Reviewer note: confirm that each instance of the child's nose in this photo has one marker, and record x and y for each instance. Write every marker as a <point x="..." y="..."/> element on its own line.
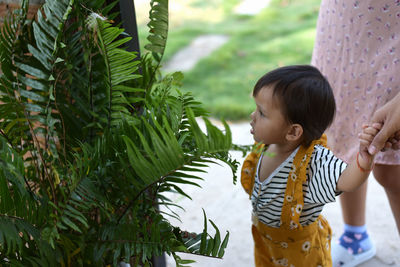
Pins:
<point x="252" y="115"/>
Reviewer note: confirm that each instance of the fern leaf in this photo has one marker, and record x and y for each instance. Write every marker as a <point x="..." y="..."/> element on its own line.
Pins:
<point x="204" y="244"/>
<point x="217" y="240"/>
<point x="158" y="28"/>
<point x="120" y="66"/>
<point x="222" y="248"/>
<point x="161" y="156"/>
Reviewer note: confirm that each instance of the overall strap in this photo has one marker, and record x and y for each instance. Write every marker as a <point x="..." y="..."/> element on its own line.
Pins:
<point x="294" y="202"/>
<point x="248" y="172"/>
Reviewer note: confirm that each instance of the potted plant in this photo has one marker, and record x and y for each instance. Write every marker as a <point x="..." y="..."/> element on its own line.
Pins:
<point x="91" y="137"/>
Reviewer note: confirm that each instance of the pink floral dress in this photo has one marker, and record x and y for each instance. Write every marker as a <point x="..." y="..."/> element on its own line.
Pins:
<point x="357" y="48"/>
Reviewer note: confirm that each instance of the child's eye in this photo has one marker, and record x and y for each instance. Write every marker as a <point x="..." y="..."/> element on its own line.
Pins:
<point x="261" y="114"/>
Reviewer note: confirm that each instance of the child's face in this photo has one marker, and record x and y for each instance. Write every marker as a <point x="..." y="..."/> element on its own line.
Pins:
<point x="268" y="124"/>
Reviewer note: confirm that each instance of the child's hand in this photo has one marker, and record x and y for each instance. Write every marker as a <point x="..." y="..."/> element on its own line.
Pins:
<point x="366" y="136"/>
<point x="393" y="142"/>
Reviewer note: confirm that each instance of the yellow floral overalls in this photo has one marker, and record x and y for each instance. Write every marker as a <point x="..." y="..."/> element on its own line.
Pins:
<point x="291" y="244"/>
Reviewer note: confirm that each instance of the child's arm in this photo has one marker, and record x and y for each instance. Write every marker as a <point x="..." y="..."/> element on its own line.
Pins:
<point x="359" y="169"/>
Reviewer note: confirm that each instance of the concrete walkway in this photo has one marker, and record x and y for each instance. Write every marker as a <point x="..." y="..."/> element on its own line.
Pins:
<point x="198" y="49"/>
<point x="229" y="207"/>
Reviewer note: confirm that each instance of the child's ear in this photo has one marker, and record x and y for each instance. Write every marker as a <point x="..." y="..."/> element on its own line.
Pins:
<point x="295" y="132"/>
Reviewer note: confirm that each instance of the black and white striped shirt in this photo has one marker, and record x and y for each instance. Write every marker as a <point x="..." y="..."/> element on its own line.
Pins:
<point x="323" y="173"/>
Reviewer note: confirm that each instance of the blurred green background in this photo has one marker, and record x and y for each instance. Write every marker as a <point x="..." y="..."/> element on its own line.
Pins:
<point x="280" y="34"/>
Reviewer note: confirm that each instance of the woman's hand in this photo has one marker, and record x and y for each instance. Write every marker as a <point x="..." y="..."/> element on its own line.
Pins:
<point x="389" y="135"/>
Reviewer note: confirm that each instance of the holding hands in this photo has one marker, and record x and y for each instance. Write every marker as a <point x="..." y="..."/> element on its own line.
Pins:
<point x="388" y="116"/>
<point x="364" y="158"/>
<point x="358" y="170"/>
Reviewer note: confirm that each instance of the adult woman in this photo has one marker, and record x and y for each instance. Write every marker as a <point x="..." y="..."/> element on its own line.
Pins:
<point x="357" y="49"/>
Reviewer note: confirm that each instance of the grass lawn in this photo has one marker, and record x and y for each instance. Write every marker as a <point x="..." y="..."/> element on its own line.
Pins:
<point x="281" y="34"/>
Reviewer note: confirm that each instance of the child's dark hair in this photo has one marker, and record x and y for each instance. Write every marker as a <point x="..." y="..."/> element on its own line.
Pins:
<point x="305" y="95"/>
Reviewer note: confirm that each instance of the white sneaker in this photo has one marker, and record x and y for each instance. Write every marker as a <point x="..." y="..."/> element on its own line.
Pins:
<point x="343" y="258"/>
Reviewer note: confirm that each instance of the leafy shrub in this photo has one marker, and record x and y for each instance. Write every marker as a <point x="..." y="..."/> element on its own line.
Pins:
<point x="91" y="138"/>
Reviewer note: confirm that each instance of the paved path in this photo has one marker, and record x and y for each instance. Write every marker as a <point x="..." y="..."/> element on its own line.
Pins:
<point x="199" y="48"/>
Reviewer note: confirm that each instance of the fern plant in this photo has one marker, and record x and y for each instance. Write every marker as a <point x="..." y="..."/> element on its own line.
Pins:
<point x="91" y="139"/>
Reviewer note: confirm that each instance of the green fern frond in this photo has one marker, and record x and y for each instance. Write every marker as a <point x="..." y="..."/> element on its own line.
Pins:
<point x="82" y="199"/>
<point x="160" y="157"/>
<point x="15" y="234"/>
<point x="158" y="28"/>
<point x="27" y="85"/>
<point x="48" y="30"/>
<point x="121" y="67"/>
<point x="12" y="121"/>
<point x="204" y="244"/>
<point x="212" y="142"/>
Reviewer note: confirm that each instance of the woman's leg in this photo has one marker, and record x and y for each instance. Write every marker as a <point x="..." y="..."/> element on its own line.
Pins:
<point x="389" y="177"/>
<point x="354" y="246"/>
